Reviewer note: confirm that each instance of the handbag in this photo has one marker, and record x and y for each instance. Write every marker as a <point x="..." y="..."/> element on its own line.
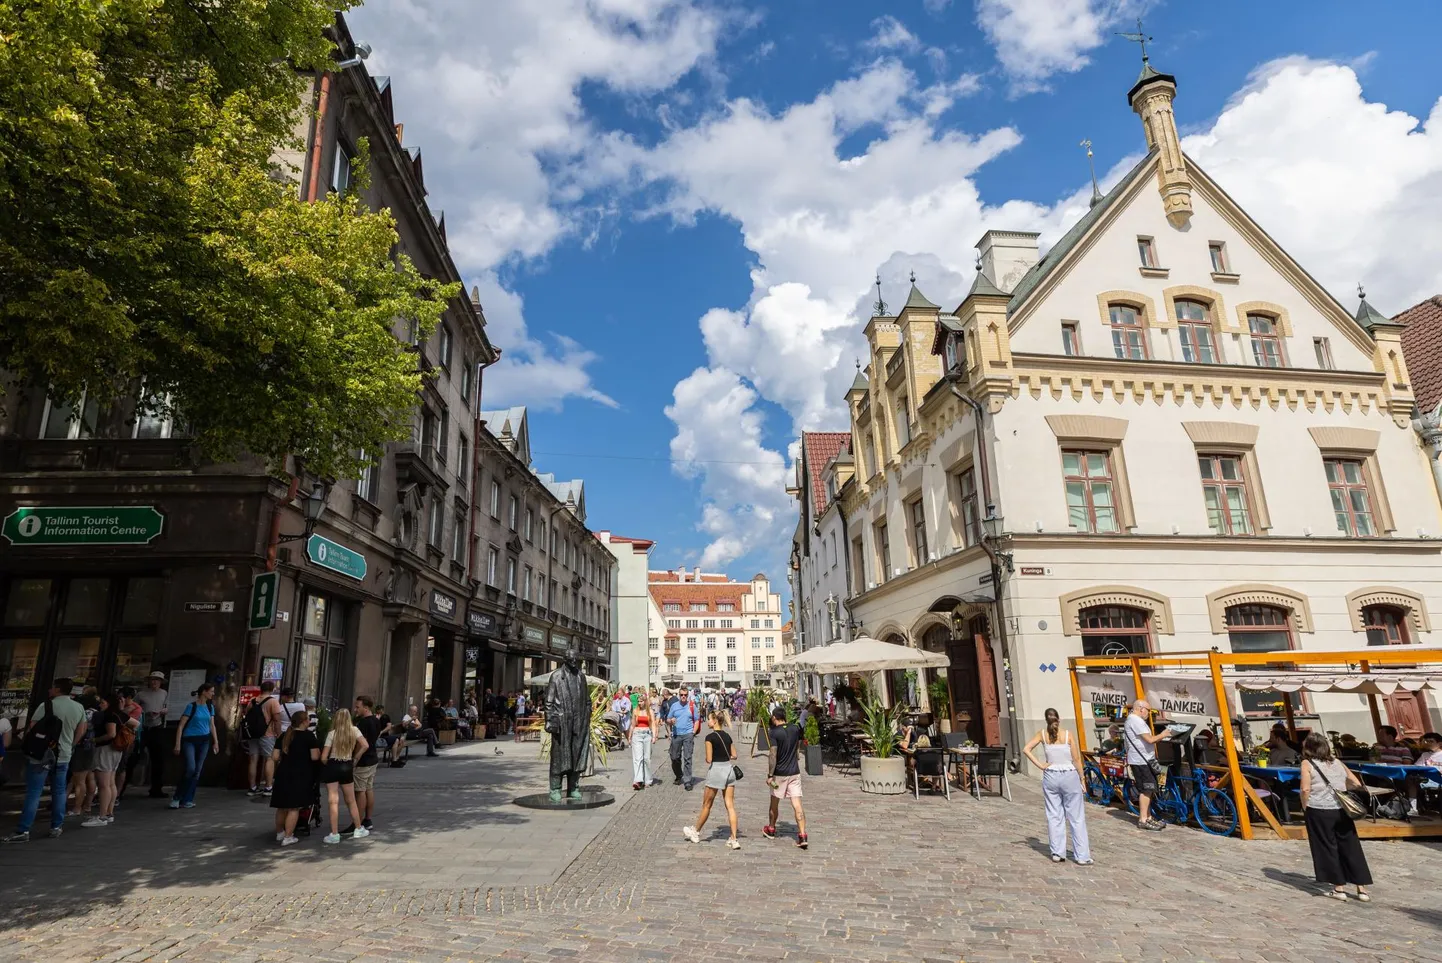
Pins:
<point x="1153" y="763"/>
<point x="736" y="772"/>
<point x="1345" y="800"/>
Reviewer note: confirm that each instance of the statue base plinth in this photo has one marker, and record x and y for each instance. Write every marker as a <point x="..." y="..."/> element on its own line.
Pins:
<point x="590" y="799"/>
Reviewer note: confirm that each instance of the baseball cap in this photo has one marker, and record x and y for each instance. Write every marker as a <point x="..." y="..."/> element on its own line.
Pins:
<point x="156" y="675"/>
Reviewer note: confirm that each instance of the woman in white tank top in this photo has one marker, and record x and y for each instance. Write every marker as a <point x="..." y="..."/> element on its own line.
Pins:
<point x="1061" y="787"/>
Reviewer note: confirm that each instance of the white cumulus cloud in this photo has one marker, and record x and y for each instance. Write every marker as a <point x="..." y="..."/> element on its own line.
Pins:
<point x="1035" y="39"/>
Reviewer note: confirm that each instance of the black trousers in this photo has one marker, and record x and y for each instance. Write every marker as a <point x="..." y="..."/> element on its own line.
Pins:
<point x="1337" y="856"/>
<point x="156" y="746"/>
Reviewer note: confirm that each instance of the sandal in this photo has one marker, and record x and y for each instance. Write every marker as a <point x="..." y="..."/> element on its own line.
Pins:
<point x="1336" y="894"/>
<point x="1363" y="897"/>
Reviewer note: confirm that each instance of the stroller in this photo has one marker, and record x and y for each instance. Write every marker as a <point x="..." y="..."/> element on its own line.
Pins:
<point x="310" y="815"/>
<point x="611" y="736"/>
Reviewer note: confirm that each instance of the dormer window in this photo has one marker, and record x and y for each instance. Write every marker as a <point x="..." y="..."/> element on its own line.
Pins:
<point x="955" y="351"/>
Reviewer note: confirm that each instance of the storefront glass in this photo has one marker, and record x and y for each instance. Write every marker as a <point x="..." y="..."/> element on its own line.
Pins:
<point x="325" y="626"/>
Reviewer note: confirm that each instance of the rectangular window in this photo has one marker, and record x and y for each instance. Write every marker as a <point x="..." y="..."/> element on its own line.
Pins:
<point x="458" y="536"/>
<point x="1351" y="501"/>
<point x="1147" y="252"/>
<point x="1224" y="491"/>
<point x="468" y="377"/>
<point x="693" y="623"/>
<point x="1128" y="337"/>
<point x="730" y="641"/>
<point x="710" y="663"/>
<point x="1090" y="491"/>
<point x="1323" y="347"/>
<point x="883" y="553"/>
<point x="444" y="342"/>
<point x="513" y="512"/>
<point x="1266" y="345"/>
<point x="437" y="522"/>
<point x="463" y="461"/>
<point x="340" y="176"/>
<point x="770" y="624"/>
<point x="526" y="580"/>
<point x="918" y="530"/>
<point x="1070" y="339"/>
<point x="708" y="623"/>
<point x="756" y="663"/>
<point x="690" y="663"/>
<point x="770" y="661"/>
<point x="367" y="485"/>
<point x="770" y="641"/>
<point x="673" y="623"/>
<point x="756" y="623"/>
<point x="69" y="422"/>
<point x="691" y="642"/>
<point x="726" y="607"/>
<point x="653" y="665"/>
<point x="903" y="424"/>
<point x="493" y="559"/>
<point x="152" y="417"/>
<point x="710" y="641"/>
<point x="730" y="663"/>
<point x="698" y="606"/>
<point x="511" y="576"/>
<point x="1194" y="329"/>
<point x="970" y="515"/>
<point x="859" y="575"/>
<point x="443" y="436"/>
<point x="1218" y="252"/>
<point x="671" y="607"/>
<point x="530" y="524"/>
<point x="726" y="623"/>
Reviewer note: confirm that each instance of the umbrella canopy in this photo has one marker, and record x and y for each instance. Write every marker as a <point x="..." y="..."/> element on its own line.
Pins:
<point x="545" y="679"/>
<point x="865" y="655"/>
<point x="1360" y="683"/>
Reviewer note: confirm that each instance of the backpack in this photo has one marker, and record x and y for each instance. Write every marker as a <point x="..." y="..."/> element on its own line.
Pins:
<point x="254" y="725"/>
<point x="43" y="738"/>
<point x="124" y="735"/>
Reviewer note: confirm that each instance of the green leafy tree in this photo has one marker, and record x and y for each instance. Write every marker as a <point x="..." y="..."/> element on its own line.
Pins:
<point x="152" y="234"/>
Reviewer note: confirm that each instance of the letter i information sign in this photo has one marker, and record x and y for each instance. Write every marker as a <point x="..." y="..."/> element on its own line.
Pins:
<point x="262" y="600"/>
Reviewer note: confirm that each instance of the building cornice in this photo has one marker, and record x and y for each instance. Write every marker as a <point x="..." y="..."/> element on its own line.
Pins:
<point x="956" y="559"/>
<point x="1248" y="543"/>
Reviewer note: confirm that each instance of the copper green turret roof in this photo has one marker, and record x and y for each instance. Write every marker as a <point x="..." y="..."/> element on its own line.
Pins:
<point x="918" y="300"/>
<point x="1369" y="317"/>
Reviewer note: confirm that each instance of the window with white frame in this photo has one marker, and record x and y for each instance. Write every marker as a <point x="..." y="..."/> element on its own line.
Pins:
<point x="63" y="422"/>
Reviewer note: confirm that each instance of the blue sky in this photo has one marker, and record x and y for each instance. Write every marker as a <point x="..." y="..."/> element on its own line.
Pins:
<point x="674" y="208"/>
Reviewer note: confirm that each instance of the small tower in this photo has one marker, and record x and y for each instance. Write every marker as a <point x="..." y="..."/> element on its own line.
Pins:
<point x="1151" y="97"/>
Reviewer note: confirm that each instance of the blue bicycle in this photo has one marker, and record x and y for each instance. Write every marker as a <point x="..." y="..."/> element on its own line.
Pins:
<point x="1180" y="798"/>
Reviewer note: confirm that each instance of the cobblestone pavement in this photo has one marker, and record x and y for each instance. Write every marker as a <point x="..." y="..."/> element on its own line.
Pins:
<point x="885" y="878"/>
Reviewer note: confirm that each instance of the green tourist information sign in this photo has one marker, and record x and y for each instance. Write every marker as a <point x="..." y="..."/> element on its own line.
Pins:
<point x="337" y="558"/>
<point x="98" y="525"/>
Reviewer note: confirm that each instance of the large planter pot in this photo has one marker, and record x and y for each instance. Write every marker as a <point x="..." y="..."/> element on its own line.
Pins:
<point x="748" y="733"/>
<point x="446" y="737"/>
<point x="480" y="731"/>
<point x="813" y="760"/>
<point x="886" y="777"/>
<point x="945" y="724"/>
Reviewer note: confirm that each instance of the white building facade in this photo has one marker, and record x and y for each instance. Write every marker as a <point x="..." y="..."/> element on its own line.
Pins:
<point x="714" y="631"/>
<point x="631" y="659"/>
<point x="1183" y="442"/>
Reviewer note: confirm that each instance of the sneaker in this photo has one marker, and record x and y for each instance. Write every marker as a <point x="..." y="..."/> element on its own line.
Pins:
<point x="333" y="838"/>
<point x="361" y="833"/>
<point x="1085" y="862"/>
<point x="16" y="838"/>
<point x="349" y="830"/>
<point x="175" y="804"/>
<point x="636" y="786"/>
<point x="189" y="805"/>
<point x="288" y="840"/>
<point x="690" y="833"/>
<point x="769" y="832"/>
<point x="733" y="843"/>
<point x="366" y="822"/>
<point x="56" y="832"/>
<point x="95" y="822"/>
<point x="1057" y="859"/>
<point x="253" y="791"/>
<point x="801" y="841"/>
<point x="265" y="790"/>
<point x="279" y="837"/>
<point x="1412" y="808"/>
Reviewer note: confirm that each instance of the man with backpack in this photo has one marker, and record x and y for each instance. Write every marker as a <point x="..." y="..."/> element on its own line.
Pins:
<point x="55" y="726"/>
<point x="260" y="728"/>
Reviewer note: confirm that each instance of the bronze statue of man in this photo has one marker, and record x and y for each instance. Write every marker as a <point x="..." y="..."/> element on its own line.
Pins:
<point x="568" y="720"/>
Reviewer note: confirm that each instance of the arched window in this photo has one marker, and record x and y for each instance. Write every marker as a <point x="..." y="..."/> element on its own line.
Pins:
<point x="1266" y="344"/>
<point x="1259" y="628"/>
<point x="1386" y="625"/>
<point x="1194" y="327"/>
<point x="1128" y="337"/>
<point x="1115" y="630"/>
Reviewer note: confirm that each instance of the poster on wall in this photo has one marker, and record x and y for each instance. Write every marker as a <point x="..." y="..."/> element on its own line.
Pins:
<point x="1181" y="695"/>
<point x="181" y="685"/>
<point x="272" y="669"/>
<point x="1111" y="690"/>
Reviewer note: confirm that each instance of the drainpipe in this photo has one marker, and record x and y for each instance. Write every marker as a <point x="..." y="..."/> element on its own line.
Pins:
<point x="998" y="568"/>
<point x="317" y="139"/>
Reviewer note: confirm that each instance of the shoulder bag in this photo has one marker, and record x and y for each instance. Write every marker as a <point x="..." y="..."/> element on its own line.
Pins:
<point x="1153" y="763"/>
<point x="1345" y="800"/>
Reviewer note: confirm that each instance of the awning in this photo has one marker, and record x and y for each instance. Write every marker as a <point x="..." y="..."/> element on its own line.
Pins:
<point x="1374" y="683"/>
<point x="864" y="655"/>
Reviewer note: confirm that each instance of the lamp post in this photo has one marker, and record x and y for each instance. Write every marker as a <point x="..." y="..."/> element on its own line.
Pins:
<point x="993" y="528"/>
<point x="313" y="506"/>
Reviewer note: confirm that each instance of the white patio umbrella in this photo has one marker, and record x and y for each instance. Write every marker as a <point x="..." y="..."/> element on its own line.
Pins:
<point x="865" y="655"/>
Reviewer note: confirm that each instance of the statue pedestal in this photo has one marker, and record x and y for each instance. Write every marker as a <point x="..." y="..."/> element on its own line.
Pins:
<point x="591" y="798"/>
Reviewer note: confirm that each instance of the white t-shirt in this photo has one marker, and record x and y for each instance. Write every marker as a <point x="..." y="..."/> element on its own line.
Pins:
<point x="4" y="727"/>
<point x="1426" y="759"/>
<point x="1138" y="749"/>
<point x="153" y="703"/>
<point x="288" y="709"/>
<point x="330" y="737"/>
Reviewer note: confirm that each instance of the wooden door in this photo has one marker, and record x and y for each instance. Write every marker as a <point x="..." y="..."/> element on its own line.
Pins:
<point x="1407" y="711"/>
<point x="964" y="682"/>
<point x="990" y="701"/>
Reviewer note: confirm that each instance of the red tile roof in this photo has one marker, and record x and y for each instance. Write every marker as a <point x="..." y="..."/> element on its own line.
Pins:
<point x="1422" y="347"/>
<point x="685" y="594"/>
<point x="821" y="447"/>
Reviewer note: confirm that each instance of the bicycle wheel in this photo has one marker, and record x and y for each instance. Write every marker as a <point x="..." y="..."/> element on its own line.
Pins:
<point x="1098" y="787"/>
<point x="1215" y="812"/>
<point x="1170" y="805"/>
<point x="1130" y="797"/>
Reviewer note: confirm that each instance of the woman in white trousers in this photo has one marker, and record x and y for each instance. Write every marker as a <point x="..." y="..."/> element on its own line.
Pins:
<point x="1062" y="789"/>
<point x="643" y="733"/>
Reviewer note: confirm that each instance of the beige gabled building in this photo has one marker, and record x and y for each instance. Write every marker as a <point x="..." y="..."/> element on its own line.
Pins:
<point x="1184" y="442"/>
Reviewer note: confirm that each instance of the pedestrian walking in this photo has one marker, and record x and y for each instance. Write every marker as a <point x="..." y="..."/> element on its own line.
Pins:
<point x="112" y="734"/>
<point x="720" y="778"/>
<point x="365" y="768"/>
<point x="260" y="727"/>
<point x="154" y="702"/>
<point x="785" y="775"/>
<point x="296" y="756"/>
<point x="643" y="734"/>
<point x="1337" y="856"/>
<point x="344" y="744"/>
<point x="1142" y="760"/>
<point x="48" y="743"/>
<point x="195" y="738"/>
<point x="682" y="719"/>
<point x="1061" y="789"/>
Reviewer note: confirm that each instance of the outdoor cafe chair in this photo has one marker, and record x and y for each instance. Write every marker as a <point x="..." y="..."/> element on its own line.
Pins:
<point x="929" y="762"/>
<point x="990" y="764"/>
<point x="955" y="740"/>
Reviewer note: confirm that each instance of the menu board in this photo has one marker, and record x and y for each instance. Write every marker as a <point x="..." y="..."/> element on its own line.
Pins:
<point x="180" y="685"/>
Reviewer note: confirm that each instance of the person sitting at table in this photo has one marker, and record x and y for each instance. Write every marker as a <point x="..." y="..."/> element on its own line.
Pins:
<point x="1281" y="751"/>
<point x="914" y="737"/>
<point x="1204" y="749"/>
<point x="1389" y="751"/>
<point x="1113" y="744"/>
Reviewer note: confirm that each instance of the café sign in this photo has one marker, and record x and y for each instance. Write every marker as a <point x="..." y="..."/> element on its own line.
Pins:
<point x="1109" y="689"/>
<point x="532" y="634"/>
<point x="443" y="605"/>
<point x="480" y="623"/>
<point x="1186" y="695"/>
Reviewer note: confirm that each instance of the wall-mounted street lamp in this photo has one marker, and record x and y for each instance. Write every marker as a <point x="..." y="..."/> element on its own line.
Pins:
<point x="314" y="506"/>
<point x="992" y="527"/>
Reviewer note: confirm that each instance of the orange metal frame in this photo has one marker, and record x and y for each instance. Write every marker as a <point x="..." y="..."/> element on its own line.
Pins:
<point x="1215" y="662"/>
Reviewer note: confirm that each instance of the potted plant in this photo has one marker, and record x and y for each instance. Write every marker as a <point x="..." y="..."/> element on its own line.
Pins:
<point x="940" y="694"/>
<point x="753" y="714"/>
<point x="882" y="771"/>
<point x="812" y="736"/>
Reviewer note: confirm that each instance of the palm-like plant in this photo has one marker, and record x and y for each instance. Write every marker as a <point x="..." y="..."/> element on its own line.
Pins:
<point x="756" y="705"/>
<point x="600" y="705"/>
<point x="879" y="724"/>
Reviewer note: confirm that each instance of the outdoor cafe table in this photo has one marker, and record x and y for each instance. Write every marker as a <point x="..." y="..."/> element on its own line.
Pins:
<point x="1282" y="779"/>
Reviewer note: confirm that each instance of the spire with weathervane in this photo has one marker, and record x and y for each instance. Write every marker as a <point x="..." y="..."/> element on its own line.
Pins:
<point x="1151" y="97"/>
<point x="1092" y="164"/>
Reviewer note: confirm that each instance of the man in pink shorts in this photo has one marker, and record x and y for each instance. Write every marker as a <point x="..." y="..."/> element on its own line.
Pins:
<point x="785" y="778"/>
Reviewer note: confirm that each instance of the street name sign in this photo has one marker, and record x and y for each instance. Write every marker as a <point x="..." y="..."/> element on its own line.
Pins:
<point x="89" y="525"/>
<point x="337" y="558"/>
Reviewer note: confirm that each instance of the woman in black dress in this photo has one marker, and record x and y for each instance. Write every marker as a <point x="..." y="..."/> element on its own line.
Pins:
<point x="296" y="755"/>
